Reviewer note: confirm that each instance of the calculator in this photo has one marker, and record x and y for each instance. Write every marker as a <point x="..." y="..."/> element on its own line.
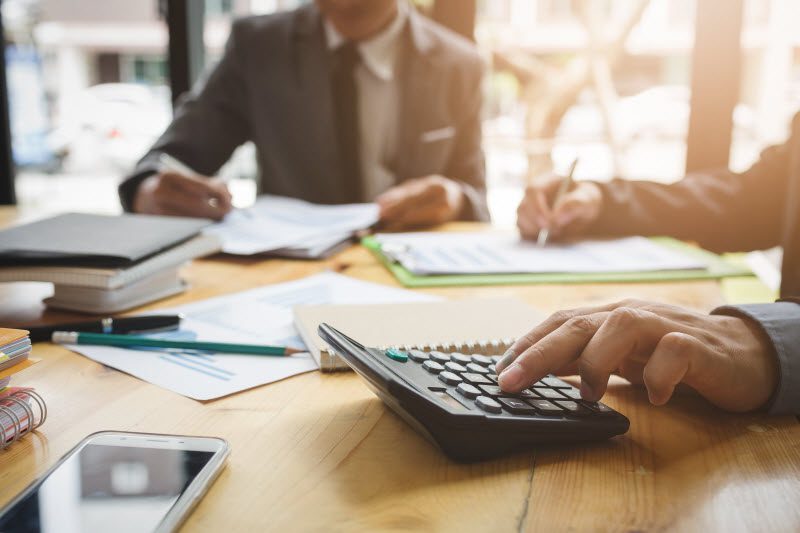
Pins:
<point x="453" y="400"/>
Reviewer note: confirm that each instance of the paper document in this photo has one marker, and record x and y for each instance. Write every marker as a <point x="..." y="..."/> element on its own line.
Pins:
<point x="275" y="222"/>
<point x="258" y="316"/>
<point x="505" y="253"/>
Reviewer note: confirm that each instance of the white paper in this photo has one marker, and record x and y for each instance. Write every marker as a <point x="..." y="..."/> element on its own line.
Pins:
<point x="258" y="316"/>
<point x="505" y="253"/>
<point x="275" y="222"/>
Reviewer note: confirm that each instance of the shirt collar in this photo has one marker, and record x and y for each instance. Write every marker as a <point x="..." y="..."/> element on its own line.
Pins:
<point x="379" y="52"/>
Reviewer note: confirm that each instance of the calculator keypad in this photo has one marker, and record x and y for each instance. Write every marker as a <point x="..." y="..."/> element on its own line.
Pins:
<point x="474" y="382"/>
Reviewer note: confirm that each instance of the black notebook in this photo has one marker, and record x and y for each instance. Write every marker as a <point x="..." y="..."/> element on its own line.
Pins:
<point x="101" y="241"/>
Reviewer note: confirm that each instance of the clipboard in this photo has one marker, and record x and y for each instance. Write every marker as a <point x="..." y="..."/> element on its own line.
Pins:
<point x="718" y="268"/>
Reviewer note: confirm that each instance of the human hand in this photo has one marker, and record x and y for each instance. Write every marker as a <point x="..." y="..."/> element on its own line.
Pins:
<point x="571" y="215"/>
<point x="170" y="193"/>
<point x="728" y="360"/>
<point x="421" y="202"/>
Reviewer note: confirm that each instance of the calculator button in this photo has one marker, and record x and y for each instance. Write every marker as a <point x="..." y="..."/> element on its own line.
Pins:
<point x="482" y="360"/>
<point x="418" y="356"/>
<point x="548" y="393"/>
<point x="468" y="391"/>
<point x="489" y="405"/>
<point x="480" y="369"/>
<point x="460" y="358"/>
<point x="598" y="407"/>
<point x="496" y="358"/>
<point x="450" y="378"/>
<point x="525" y="393"/>
<point x="432" y="366"/>
<point x="491" y="390"/>
<point x="440" y="357"/>
<point x="517" y="406"/>
<point x="546" y="407"/>
<point x="573" y="407"/>
<point x="454" y="367"/>
<point x="492" y="377"/>
<point x="552" y="381"/>
<point x="397" y="355"/>
<point x="477" y="379"/>
<point x="573" y="394"/>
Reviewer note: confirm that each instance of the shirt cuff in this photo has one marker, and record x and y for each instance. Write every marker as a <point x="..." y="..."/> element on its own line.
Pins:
<point x="781" y="323"/>
<point x="128" y="188"/>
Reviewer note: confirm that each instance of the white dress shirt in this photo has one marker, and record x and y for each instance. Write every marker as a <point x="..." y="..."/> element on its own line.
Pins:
<point x="379" y="100"/>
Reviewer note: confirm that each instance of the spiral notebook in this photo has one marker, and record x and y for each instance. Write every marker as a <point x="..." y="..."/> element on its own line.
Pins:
<point x="485" y="326"/>
<point x="21" y="409"/>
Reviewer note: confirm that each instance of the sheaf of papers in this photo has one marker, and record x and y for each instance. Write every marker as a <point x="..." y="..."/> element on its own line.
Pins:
<point x="276" y="222"/>
<point x="258" y="316"/>
<point x="505" y="253"/>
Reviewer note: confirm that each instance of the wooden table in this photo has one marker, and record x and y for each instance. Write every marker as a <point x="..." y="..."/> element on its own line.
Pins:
<point x="321" y="453"/>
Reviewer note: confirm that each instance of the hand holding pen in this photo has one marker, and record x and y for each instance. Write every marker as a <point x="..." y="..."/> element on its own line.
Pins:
<point x="178" y="190"/>
<point x="558" y="207"/>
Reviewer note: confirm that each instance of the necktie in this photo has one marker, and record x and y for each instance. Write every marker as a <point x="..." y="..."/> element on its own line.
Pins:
<point x="345" y="101"/>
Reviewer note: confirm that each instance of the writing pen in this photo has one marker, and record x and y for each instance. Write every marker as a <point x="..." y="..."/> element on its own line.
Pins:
<point x="566" y="185"/>
<point x="169" y="163"/>
<point x="132" y="324"/>
<point x="130" y="341"/>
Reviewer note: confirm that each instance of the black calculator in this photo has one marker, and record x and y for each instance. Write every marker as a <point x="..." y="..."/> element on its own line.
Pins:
<point x="454" y="401"/>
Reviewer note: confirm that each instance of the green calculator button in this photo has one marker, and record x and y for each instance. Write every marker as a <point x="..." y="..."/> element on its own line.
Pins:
<point x="397" y="355"/>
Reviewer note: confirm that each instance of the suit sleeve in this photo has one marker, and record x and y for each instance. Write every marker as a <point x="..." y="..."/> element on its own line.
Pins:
<point x="467" y="163"/>
<point x="209" y="123"/>
<point x="781" y="322"/>
<point x="722" y="211"/>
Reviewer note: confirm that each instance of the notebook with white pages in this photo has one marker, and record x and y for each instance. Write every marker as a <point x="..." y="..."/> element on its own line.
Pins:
<point x="157" y="286"/>
<point x="468" y="326"/>
<point x="114" y="278"/>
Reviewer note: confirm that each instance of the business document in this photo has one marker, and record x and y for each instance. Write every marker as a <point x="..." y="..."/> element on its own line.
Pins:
<point x="276" y="222"/>
<point x="507" y="253"/>
<point x="258" y="316"/>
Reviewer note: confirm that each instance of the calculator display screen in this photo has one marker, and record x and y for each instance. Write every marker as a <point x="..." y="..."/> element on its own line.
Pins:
<point x="107" y="488"/>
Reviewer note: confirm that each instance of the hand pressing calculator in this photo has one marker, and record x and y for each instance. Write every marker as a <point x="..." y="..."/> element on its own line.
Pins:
<point x="454" y="401"/>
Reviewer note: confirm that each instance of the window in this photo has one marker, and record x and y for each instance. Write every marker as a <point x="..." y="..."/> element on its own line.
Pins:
<point x="604" y="81"/>
<point x="87" y="96"/>
<point x="770" y="88"/>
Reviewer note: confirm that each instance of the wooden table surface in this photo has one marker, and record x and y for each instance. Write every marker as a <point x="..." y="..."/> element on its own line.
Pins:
<point x="321" y="453"/>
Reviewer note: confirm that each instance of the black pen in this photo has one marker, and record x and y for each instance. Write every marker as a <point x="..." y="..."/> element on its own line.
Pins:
<point x="132" y="324"/>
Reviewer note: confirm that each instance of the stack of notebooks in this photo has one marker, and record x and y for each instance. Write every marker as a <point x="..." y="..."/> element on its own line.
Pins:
<point x="104" y="264"/>
<point x="22" y="410"/>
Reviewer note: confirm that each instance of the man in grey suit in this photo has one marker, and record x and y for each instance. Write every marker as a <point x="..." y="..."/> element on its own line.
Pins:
<point x="739" y="357"/>
<point x="345" y="101"/>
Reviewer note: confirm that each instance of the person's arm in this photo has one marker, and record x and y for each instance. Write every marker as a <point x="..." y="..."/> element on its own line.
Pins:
<point x="209" y="123"/>
<point x="780" y="321"/>
<point x="723" y="211"/>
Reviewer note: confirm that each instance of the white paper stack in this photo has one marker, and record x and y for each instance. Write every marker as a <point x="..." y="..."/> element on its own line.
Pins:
<point x="289" y="227"/>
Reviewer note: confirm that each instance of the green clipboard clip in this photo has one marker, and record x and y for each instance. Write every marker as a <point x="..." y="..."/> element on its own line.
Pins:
<point x="718" y="268"/>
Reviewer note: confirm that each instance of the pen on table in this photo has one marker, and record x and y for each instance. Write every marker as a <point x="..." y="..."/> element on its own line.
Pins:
<point x="132" y="341"/>
<point x="565" y="186"/>
<point x="132" y="324"/>
<point x="173" y="164"/>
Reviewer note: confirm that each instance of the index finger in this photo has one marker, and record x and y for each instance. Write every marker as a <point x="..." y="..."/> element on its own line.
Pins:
<point x="555" y="350"/>
<point x="550" y="324"/>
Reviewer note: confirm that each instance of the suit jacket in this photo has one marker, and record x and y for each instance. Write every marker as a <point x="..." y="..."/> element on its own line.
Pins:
<point x="272" y="86"/>
<point x="725" y="212"/>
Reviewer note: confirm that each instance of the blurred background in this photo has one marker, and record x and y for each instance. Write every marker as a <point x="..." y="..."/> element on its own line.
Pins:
<point x="634" y="87"/>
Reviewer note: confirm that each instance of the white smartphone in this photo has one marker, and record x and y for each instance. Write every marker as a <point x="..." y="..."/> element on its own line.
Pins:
<point x="120" y="482"/>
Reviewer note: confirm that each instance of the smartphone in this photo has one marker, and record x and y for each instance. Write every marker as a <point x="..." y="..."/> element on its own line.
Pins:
<point x="120" y="482"/>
